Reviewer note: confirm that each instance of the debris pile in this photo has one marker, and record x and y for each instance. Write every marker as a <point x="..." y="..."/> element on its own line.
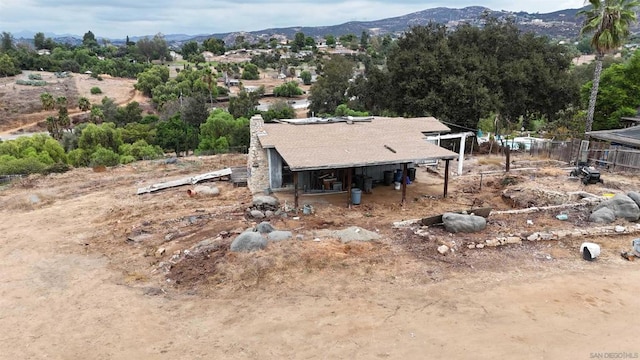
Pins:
<point x="264" y="207"/>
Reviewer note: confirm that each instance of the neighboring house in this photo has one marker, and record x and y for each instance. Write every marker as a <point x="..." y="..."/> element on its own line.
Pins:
<point x="627" y="137"/>
<point x="315" y="154"/>
<point x="44" y="52"/>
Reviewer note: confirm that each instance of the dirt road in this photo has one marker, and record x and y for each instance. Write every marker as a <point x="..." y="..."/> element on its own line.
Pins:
<point x="61" y="298"/>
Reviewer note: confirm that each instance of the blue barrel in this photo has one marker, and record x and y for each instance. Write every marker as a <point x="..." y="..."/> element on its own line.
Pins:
<point x="356" y="195"/>
<point x="398" y="176"/>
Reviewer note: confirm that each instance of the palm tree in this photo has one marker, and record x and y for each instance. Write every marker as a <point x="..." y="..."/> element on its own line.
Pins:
<point x="609" y="22"/>
<point x="84" y="104"/>
<point x="48" y="102"/>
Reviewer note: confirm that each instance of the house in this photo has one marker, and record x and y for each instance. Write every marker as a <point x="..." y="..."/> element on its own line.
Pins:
<point x="318" y="154"/>
<point x="628" y="137"/>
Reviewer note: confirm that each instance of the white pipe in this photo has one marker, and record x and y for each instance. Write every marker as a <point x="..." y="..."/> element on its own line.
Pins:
<point x="461" y="154"/>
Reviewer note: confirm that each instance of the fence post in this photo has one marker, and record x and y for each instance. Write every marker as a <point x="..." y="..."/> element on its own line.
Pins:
<point x="615" y="159"/>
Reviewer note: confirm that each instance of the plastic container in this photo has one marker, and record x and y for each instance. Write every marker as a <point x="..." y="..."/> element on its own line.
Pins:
<point x="388" y="177"/>
<point x="356" y="196"/>
<point x="398" y="176"/>
<point x="412" y="174"/>
<point x="590" y="251"/>
<point x="368" y="184"/>
<point x="337" y="186"/>
<point x="397" y="185"/>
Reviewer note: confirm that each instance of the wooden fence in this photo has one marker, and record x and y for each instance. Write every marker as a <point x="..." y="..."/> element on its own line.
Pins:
<point x="600" y="154"/>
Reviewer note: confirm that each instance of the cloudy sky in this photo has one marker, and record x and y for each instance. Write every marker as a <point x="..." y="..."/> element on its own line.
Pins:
<point x="118" y="18"/>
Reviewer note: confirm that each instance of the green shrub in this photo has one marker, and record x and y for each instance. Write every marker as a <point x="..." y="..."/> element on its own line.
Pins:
<point x="126" y="159"/>
<point x="289" y="89"/>
<point x="56" y="168"/>
<point x="35" y="77"/>
<point x="141" y="150"/>
<point x="12" y="166"/>
<point x="96" y="90"/>
<point x="102" y="156"/>
<point x="78" y="158"/>
<point x="31" y="82"/>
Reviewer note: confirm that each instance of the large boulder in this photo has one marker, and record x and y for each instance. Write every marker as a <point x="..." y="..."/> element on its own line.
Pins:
<point x="602" y="215"/>
<point x="279" y="235"/>
<point x="635" y="196"/>
<point x="265" y="202"/>
<point x="264" y="227"/>
<point x="248" y="241"/>
<point x="622" y="206"/>
<point x="455" y="222"/>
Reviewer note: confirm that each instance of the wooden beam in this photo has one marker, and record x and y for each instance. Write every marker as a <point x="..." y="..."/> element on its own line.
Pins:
<point x="185" y="181"/>
<point x="295" y="190"/>
<point x="404" y="183"/>
<point x="349" y="200"/>
<point x="446" y="177"/>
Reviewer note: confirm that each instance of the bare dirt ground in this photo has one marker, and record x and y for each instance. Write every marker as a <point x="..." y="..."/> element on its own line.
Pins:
<point x="21" y="108"/>
<point x="74" y="286"/>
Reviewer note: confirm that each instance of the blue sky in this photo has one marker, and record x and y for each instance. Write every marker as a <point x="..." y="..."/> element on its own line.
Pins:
<point x="118" y="18"/>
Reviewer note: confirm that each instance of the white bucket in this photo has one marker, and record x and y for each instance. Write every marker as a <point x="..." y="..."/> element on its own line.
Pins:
<point x="589" y="251"/>
<point x="397" y="186"/>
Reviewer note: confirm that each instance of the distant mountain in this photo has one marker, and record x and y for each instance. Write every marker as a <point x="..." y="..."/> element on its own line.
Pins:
<point x="559" y="24"/>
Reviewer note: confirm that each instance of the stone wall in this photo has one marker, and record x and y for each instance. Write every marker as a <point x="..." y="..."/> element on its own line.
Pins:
<point x="257" y="163"/>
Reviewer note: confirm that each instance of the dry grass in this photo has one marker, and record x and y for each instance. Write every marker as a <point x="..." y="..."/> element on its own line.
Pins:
<point x="491" y="160"/>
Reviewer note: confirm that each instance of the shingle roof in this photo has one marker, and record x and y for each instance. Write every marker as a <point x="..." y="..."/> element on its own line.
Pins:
<point x="629" y="136"/>
<point x="340" y="145"/>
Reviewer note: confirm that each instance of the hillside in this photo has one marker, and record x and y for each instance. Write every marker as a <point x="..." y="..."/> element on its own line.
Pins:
<point x="561" y="24"/>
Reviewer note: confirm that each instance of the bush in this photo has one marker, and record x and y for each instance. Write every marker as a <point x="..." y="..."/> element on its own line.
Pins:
<point x="9" y="165"/>
<point x="78" y="158"/>
<point x="105" y="157"/>
<point x="31" y="82"/>
<point x="96" y="90"/>
<point x="306" y="77"/>
<point x="126" y="159"/>
<point x="289" y="89"/>
<point x="56" y="168"/>
<point x="35" y="77"/>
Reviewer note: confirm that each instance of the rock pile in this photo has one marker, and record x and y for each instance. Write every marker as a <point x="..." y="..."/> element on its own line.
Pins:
<point x="257" y="238"/>
<point x="264" y="207"/>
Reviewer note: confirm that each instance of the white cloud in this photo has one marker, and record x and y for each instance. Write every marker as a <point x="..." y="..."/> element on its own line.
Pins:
<point x="118" y="18"/>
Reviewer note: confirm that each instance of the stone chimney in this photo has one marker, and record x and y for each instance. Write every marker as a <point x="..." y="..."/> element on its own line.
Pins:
<point x="258" y="162"/>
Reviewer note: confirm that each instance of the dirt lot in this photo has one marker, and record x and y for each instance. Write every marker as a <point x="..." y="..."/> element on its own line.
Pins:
<point x="21" y="109"/>
<point x="74" y="286"/>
